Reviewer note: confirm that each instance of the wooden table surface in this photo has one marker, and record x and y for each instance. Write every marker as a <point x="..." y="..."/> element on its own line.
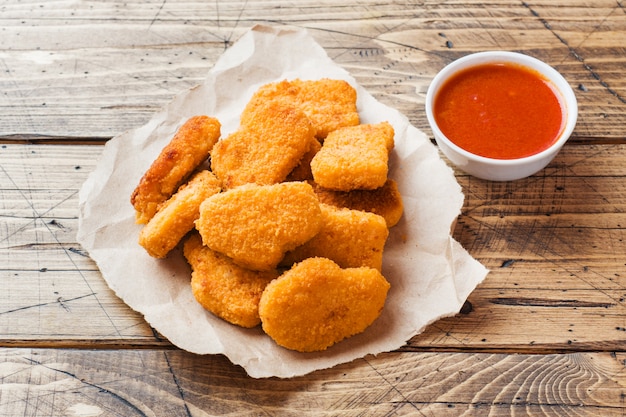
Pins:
<point x="544" y="334"/>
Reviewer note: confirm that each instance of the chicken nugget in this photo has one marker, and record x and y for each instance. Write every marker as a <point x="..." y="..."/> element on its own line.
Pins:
<point x="189" y="147"/>
<point x="303" y="171"/>
<point x="177" y="215"/>
<point x="385" y="201"/>
<point x="351" y="238"/>
<point x="354" y="158"/>
<point x="224" y="288"/>
<point x="255" y="225"/>
<point x="317" y="304"/>
<point x="266" y="148"/>
<point x="330" y="104"/>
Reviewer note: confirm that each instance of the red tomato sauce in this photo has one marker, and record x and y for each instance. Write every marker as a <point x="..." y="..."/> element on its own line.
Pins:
<point x="500" y="111"/>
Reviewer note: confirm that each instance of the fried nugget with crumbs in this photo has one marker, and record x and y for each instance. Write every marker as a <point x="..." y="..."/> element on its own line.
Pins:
<point x="255" y="225"/>
<point x="317" y="304"/>
<point x="266" y="148"/>
<point x="354" y="158"/>
<point x="224" y="288"/>
<point x="190" y="147"/>
<point x="303" y="171"/>
<point x="177" y="215"/>
<point x="351" y="238"/>
<point x="329" y="103"/>
<point x="385" y="201"/>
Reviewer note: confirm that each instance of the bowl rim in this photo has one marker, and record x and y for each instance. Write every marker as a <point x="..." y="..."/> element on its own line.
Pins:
<point x="558" y="82"/>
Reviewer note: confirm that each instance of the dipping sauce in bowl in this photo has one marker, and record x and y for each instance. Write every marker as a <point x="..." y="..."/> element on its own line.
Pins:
<point x="502" y="111"/>
<point x="500" y="115"/>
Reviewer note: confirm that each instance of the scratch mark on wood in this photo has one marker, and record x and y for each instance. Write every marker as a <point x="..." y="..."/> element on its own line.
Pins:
<point x="545" y="302"/>
<point x="100" y="388"/>
<point x="62" y="303"/>
<point x="395" y="389"/>
<point x="181" y="392"/>
<point x="575" y="54"/>
<point x="53" y="222"/>
<point x="39" y="216"/>
<point x="156" y="16"/>
<point x="59" y="300"/>
<point x="507" y="263"/>
<point x="78" y="252"/>
<point x="228" y="39"/>
<point x="156" y="334"/>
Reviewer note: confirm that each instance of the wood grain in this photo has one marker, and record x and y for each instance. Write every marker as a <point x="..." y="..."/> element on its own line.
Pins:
<point x="544" y="334"/>
<point x="557" y="280"/>
<point x="174" y="383"/>
<point x="120" y="62"/>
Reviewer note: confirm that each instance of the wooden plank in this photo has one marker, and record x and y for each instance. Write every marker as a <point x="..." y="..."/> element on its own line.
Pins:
<point x="554" y="244"/>
<point x="81" y="72"/>
<point x="121" y="63"/>
<point x="146" y="382"/>
<point x="174" y="383"/>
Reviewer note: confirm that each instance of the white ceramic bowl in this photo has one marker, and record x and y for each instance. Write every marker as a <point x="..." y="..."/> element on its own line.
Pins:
<point x="502" y="169"/>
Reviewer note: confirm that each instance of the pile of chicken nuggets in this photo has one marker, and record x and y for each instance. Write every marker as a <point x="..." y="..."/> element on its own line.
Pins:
<point x="283" y="221"/>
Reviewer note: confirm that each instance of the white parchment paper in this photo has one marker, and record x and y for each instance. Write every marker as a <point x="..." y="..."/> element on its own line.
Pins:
<point x="431" y="275"/>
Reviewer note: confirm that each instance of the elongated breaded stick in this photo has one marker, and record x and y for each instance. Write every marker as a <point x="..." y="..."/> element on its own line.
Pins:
<point x="189" y="147"/>
<point x="177" y="215"/>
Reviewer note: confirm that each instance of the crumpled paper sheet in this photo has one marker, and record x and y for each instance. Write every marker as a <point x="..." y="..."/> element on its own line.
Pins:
<point x="431" y="275"/>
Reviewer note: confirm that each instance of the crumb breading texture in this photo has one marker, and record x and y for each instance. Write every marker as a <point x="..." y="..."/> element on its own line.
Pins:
<point x="255" y="225"/>
<point x="190" y="146"/>
<point x="224" y="288"/>
<point x="177" y="216"/>
<point x="266" y="147"/>
<point x="303" y="171"/>
<point x="329" y="104"/>
<point x="317" y="304"/>
<point x="350" y="238"/>
<point x="354" y="158"/>
<point x="385" y="201"/>
<point x="291" y="213"/>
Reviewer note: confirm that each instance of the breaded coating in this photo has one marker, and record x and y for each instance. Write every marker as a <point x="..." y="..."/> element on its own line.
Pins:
<point x="189" y="147"/>
<point x="177" y="216"/>
<point x="385" y="201"/>
<point x="351" y="238"/>
<point x="330" y="104"/>
<point x="255" y="225"/>
<point x="303" y="171"/>
<point x="317" y="304"/>
<point x="224" y="288"/>
<point x="354" y="158"/>
<point x="266" y="148"/>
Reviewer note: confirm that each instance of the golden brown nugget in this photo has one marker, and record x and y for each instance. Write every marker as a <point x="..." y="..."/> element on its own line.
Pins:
<point x="255" y="225"/>
<point x="189" y="147"/>
<point x="317" y="304"/>
<point x="224" y="288"/>
<point x="354" y="158"/>
<point x="385" y="201"/>
<point x="303" y="171"/>
<point x="351" y="238"/>
<point x="177" y="215"/>
<point x="330" y="104"/>
<point x="264" y="150"/>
